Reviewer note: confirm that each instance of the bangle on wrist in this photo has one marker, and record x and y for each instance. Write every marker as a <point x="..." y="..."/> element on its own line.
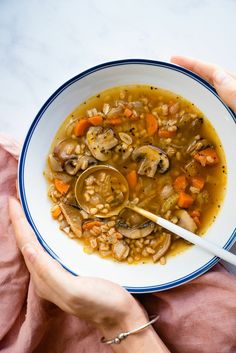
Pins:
<point x="123" y="335"/>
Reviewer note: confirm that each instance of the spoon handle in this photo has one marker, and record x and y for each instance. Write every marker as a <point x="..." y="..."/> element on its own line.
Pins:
<point x="189" y="236"/>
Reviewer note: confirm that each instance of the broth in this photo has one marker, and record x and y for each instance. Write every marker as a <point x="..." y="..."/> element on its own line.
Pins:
<point x="168" y="151"/>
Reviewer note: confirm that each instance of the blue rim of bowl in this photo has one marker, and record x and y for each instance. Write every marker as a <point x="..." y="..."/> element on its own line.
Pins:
<point x="137" y="290"/>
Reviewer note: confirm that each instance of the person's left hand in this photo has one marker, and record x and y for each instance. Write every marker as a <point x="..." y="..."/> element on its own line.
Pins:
<point x="103" y="303"/>
<point x="99" y="301"/>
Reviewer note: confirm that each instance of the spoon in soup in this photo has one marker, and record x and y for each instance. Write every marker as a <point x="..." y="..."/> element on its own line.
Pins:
<point x="103" y="191"/>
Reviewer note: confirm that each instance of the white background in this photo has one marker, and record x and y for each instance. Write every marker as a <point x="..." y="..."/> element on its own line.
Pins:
<point x="43" y="43"/>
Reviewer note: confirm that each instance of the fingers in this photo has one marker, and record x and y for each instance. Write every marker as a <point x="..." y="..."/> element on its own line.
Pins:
<point x="224" y="82"/>
<point x="203" y="69"/>
<point x="225" y="85"/>
<point x="23" y="232"/>
<point x="38" y="262"/>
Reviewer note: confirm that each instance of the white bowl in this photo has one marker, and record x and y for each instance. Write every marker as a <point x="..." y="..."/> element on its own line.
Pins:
<point x="33" y="187"/>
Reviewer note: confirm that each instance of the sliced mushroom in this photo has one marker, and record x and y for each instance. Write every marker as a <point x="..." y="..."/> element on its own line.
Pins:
<point x="65" y="149"/>
<point x="151" y="159"/>
<point x="54" y="163"/>
<point x="163" y="248"/>
<point x="126" y="138"/>
<point x="73" y="218"/>
<point x="73" y="165"/>
<point x="136" y="232"/>
<point x="186" y="221"/>
<point x="120" y="250"/>
<point x="100" y="142"/>
<point x="131" y="217"/>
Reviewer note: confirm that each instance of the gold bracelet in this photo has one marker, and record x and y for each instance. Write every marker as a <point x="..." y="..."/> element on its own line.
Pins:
<point x="123" y="335"/>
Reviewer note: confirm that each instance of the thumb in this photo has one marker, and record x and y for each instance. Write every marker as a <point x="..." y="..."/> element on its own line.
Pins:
<point x="225" y="85"/>
<point x="37" y="260"/>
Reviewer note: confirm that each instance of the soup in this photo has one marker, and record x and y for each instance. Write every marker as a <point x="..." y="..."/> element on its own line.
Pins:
<point x="170" y="156"/>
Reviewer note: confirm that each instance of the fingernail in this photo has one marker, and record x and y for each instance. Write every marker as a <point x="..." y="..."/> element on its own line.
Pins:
<point x="29" y="252"/>
<point x="221" y="77"/>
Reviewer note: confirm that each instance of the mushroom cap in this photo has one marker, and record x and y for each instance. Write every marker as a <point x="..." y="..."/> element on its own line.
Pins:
<point x="100" y="141"/>
<point x="151" y="159"/>
<point x="62" y="148"/>
<point x="136" y="232"/>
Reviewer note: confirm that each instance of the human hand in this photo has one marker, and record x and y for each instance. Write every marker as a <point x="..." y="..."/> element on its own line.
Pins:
<point x="224" y="82"/>
<point x="96" y="300"/>
<point x="103" y="303"/>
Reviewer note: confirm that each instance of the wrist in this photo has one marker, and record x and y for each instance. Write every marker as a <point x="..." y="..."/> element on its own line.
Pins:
<point x="132" y="318"/>
<point x="131" y="315"/>
<point x="143" y="341"/>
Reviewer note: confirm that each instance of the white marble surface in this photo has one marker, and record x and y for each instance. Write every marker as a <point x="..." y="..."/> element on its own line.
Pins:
<point x="45" y="42"/>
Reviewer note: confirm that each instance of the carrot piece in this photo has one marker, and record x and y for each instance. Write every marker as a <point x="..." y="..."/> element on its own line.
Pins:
<point x="166" y="133"/>
<point x="185" y="200"/>
<point x="198" y="182"/>
<point x="81" y="127"/>
<point x="151" y="124"/>
<point x="90" y="225"/>
<point x="56" y="212"/>
<point x="115" y="121"/>
<point x="207" y="157"/>
<point x="61" y="186"/>
<point x="128" y="112"/>
<point x="180" y="183"/>
<point x="96" y="120"/>
<point x="132" y="179"/>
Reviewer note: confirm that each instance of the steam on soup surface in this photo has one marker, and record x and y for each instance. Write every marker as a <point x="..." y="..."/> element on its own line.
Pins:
<point x="169" y="153"/>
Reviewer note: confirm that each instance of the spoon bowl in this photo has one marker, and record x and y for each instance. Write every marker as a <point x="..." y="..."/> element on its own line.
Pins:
<point x="80" y="192"/>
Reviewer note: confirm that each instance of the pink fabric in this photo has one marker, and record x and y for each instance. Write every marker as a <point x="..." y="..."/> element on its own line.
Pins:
<point x="199" y="317"/>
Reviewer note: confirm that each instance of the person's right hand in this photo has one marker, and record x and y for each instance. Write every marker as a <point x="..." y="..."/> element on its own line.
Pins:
<point x="223" y="81"/>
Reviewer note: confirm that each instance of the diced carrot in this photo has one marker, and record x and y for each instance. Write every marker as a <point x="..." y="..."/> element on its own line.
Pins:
<point x="197" y="221"/>
<point x="56" y="212"/>
<point x="115" y="121"/>
<point x="95" y="120"/>
<point x="132" y="179"/>
<point x="81" y="127"/>
<point x="198" y="182"/>
<point x="151" y="124"/>
<point x="166" y="133"/>
<point x="207" y="157"/>
<point x="128" y="112"/>
<point x="61" y="186"/>
<point x="185" y="200"/>
<point x="90" y="225"/>
<point x="195" y="213"/>
<point x="180" y="183"/>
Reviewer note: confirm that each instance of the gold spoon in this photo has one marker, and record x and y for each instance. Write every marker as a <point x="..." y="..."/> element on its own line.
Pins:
<point x="80" y="183"/>
<point x="174" y="228"/>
